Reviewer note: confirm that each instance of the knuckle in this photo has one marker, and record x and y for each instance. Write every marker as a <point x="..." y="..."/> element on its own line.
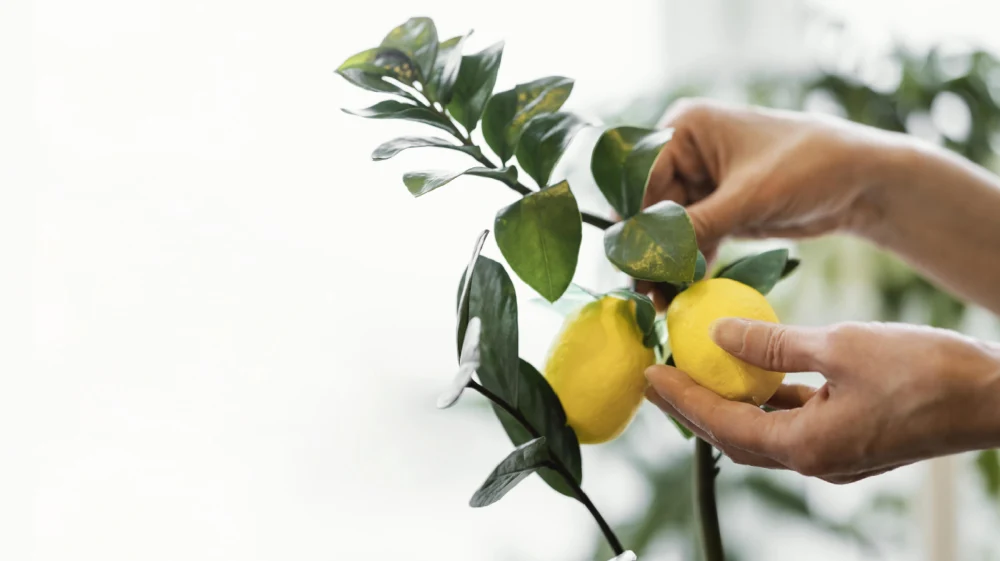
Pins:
<point x="776" y="347"/>
<point x="837" y="340"/>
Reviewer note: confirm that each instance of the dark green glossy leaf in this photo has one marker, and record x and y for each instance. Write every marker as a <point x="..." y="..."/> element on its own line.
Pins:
<point x="422" y="182"/>
<point x="543" y="142"/>
<point x="638" y="164"/>
<point x="607" y="164"/>
<point x="658" y="244"/>
<point x="391" y="109"/>
<point x="508" y="112"/>
<point x="445" y="72"/>
<point x="522" y="462"/>
<point x="790" y="267"/>
<point x="418" y="40"/>
<point x="645" y="314"/>
<point x="465" y="290"/>
<point x="389" y="149"/>
<point x="381" y="61"/>
<point x="988" y="462"/>
<point x="539" y="404"/>
<point x="493" y="301"/>
<point x="761" y="271"/>
<point x="700" y="267"/>
<point x="476" y="77"/>
<point x="540" y="235"/>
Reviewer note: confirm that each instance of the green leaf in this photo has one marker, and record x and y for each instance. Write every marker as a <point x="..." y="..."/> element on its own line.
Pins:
<point x="422" y="182"/>
<point x="761" y="271"/>
<point x="445" y="72"/>
<point x="493" y="301"/>
<point x="657" y="244"/>
<point x="389" y="149"/>
<point x="539" y="236"/>
<point x="508" y="112"/>
<point x="373" y="82"/>
<point x="790" y="267"/>
<point x="539" y="404"/>
<point x="988" y="462"/>
<point x="543" y="141"/>
<point x="392" y="109"/>
<point x="476" y="77"/>
<point x="700" y="267"/>
<point x="607" y="164"/>
<point x="418" y="40"/>
<point x="465" y="290"/>
<point x="645" y="314"/>
<point x="638" y="165"/>
<point x="381" y="61"/>
<point x="522" y="462"/>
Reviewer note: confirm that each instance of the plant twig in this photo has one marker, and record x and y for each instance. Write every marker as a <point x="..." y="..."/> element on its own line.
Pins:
<point x="704" y="488"/>
<point x="557" y="465"/>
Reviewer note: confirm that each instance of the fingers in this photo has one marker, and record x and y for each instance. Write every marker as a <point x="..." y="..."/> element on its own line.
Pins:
<point x="772" y="346"/>
<point x="791" y="396"/>
<point x="730" y="424"/>
<point x="715" y="218"/>
<point x="741" y="457"/>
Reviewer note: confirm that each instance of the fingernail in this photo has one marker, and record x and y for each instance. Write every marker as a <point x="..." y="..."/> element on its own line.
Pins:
<point x="729" y="333"/>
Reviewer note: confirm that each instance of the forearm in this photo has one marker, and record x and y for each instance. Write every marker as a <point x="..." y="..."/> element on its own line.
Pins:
<point x="940" y="213"/>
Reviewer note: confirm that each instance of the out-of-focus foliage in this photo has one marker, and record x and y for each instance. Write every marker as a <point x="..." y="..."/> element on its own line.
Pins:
<point x="952" y="99"/>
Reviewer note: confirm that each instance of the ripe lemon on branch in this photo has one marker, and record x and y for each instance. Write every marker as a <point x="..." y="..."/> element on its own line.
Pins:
<point x="596" y="366"/>
<point x="689" y="320"/>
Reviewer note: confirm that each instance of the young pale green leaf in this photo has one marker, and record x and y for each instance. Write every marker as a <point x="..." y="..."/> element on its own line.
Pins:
<point x="539" y="404"/>
<point x="465" y="290"/>
<point x="445" y="72"/>
<point x="476" y="77"/>
<point x="420" y="183"/>
<point x="761" y="271"/>
<point x="493" y="301"/>
<point x="639" y="164"/>
<point x="573" y="299"/>
<point x="522" y="462"/>
<point x="418" y="40"/>
<point x="645" y="314"/>
<point x="658" y="244"/>
<point x="988" y="462"/>
<point x="508" y="112"/>
<point x="607" y="164"/>
<point x="543" y="141"/>
<point x="539" y="236"/>
<point x="389" y="149"/>
<point x="391" y="109"/>
<point x="381" y="61"/>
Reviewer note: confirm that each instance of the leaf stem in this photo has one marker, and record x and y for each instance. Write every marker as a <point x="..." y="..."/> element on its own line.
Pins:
<point x="596" y="221"/>
<point x="557" y="465"/>
<point x="705" y="471"/>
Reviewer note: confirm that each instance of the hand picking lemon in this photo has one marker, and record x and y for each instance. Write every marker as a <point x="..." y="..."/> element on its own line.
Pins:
<point x="689" y="319"/>
<point x="596" y="367"/>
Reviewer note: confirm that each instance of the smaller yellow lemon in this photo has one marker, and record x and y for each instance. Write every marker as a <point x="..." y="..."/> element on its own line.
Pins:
<point x="689" y="318"/>
<point x="596" y="366"/>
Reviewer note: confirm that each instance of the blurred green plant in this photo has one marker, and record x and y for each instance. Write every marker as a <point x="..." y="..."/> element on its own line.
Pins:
<point x="539" y="236"/>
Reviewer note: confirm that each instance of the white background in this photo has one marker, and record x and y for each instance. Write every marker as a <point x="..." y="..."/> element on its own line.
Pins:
<point x="226" y="326"/>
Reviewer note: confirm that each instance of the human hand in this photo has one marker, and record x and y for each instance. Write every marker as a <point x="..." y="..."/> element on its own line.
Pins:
<point x="753" y="172"/>
<point x="894" y="394"/>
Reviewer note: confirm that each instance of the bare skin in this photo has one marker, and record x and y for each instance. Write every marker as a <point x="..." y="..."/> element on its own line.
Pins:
<point x="894" y="394"/>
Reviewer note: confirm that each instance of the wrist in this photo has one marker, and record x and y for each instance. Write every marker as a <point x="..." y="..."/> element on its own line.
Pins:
<point x="884" y="165"/>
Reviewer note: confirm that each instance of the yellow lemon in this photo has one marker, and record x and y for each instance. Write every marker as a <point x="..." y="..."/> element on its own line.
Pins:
<point x="689" y="318"/>
<point x="596" y="367"/>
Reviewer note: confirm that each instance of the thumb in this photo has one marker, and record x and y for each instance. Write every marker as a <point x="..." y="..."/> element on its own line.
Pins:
<point x="772" y="346"/>
<point x="714" y="218"/>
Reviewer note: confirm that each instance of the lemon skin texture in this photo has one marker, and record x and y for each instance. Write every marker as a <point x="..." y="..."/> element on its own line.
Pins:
<point x="596" y="366"/>
<point x="689" y="320"/>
